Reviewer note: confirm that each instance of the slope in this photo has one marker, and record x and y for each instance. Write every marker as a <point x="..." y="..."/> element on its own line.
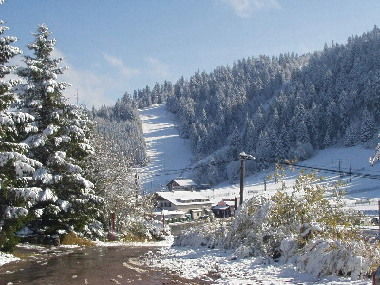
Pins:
<point x="167" y="152"/>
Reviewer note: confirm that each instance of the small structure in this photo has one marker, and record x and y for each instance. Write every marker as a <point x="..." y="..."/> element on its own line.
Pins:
<point x="181" y="184"/>
<point x="188" y="203"/>
<point x="225" y="208"/>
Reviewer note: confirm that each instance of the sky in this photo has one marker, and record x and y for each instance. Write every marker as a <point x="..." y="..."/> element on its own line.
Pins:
<point x="116" y="46"/>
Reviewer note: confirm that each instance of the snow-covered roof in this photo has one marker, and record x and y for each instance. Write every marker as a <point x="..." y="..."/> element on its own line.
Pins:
<point x="184" y="197"/>
<point x="184" y="182"/>
<point x="169" y="213"/>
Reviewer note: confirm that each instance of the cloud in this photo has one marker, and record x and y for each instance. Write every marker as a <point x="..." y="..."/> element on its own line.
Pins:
<point x="92" y="88"/>
<point x="119" y="64"/>
<point x="246" y="8"/>
<point x="157" y="68"/>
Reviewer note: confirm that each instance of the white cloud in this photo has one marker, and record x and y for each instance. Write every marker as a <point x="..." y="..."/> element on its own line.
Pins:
<point x="119" y="64"/>
<point x="157" y="68"/>
<point x="245" y="8"/>
<point x="92" y="88"/>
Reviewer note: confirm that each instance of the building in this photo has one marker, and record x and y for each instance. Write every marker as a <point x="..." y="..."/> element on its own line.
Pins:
<point x="181" y="184"/>
<point x="225" y="208"/>
<point x="183" y="203"/>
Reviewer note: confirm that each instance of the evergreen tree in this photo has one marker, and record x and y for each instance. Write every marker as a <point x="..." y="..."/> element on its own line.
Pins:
<point x="61" y="144"/>
<point x="16" y="169"/>
<point x="350" y="137"/>
<point x="376" y="157"/>
<point x="368" y="126"/>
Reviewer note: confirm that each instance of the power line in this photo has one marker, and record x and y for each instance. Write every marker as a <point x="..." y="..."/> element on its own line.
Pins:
<point x="352" y="173"/>
<point x="216" y="163"/>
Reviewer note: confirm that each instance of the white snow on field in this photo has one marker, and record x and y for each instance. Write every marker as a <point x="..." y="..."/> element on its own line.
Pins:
<point x="216" y="265"/>
<point x="362" y="193"/>
<point x="167" y="151"/>
<point x="6" y="258"/>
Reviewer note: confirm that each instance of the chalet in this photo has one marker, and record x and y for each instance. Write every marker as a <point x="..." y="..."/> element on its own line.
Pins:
<point x="181" y="184"/>
<point x="183" y="203"/>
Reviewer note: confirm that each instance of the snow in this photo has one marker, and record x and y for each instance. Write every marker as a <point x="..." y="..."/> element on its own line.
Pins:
<point x="362" y="193"/>
<point x="217" y="266"/>
<point x="184" y="197"/>
<point x="167" y="151"/>
<point x="6" y="258"/>
<point x="185" y="182"/>
<point x="15" y="212"/>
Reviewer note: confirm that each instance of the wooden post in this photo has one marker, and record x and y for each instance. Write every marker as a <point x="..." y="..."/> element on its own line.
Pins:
<point x="350" y="171"/>
<point x="379" y="216"/>
<point x="340" y="173"/>
<point x="265" y="184"/>
<point x="242" y="173"/>
<point x="113" y="218"/>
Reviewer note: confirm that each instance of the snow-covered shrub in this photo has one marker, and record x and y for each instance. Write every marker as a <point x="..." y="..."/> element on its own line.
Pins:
<point x="354" y="258"/>
<point x="307" y="226"/>
<point x="211" y="235"/>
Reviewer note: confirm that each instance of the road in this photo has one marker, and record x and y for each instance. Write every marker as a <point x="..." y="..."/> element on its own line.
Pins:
<point x="91" y="265"/>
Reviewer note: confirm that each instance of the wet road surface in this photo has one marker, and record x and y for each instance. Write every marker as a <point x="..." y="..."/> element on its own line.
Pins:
<point x="91" y="265"/>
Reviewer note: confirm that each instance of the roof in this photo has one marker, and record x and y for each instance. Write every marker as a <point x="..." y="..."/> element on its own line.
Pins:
<point x="184" y="182"/>
<point x="184" y="197"/>
<point x="169" y="213"/>
<point x="221" y="207"/>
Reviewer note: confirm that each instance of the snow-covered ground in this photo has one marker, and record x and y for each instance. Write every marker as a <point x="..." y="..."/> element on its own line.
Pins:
<point x="168" y="153"/>
<point x="6" y="258"/>
<point x="216" y="265"/>
<point x="362" y="193"/>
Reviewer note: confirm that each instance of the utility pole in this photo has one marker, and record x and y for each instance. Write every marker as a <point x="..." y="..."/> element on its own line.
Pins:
<point x="350" y="171"/>
<point x="379" y="216"/>
<point x="242" y="173"/>
<point x="77" y="98"/>
<point x="265" y="184"/>
<point x="243" y="157"/>
<point x="340" y="173"/>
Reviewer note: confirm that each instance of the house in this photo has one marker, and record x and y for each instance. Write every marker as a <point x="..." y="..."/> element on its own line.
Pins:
<point x="225" y="208"/>
<point x="181" y="184"/>
<point x="188" y="203"/>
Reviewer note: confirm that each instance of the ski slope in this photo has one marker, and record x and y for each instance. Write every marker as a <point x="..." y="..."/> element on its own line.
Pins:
<point x="168" y="153"/>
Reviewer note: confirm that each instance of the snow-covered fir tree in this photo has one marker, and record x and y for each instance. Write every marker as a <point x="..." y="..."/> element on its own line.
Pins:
<point x="16" y="168"/>
<point x="376" y="157"/>
<point x="61" y="144"/>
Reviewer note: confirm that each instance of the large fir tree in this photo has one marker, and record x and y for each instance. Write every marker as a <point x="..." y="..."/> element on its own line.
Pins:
<point x="16" y="168"/>
<point x="61" y="144"/>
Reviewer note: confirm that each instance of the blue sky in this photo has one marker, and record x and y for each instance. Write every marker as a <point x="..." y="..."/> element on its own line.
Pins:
<point x="115" y="46"/>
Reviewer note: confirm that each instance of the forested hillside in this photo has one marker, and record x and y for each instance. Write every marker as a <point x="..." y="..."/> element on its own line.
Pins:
<point x="121" y="125"/>
<point x="278" y="107"/>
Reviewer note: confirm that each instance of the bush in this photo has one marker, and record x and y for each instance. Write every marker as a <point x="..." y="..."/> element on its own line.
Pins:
<point x="74" y="239"/>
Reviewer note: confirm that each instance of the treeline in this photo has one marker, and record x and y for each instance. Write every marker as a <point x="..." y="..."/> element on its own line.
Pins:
<point x="281" y="107"/>
<point x="121" y="124"/>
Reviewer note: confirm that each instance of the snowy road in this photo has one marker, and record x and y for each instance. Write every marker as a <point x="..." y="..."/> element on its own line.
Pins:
<point x="167" y="151"/>
<point x="96" y="265"/>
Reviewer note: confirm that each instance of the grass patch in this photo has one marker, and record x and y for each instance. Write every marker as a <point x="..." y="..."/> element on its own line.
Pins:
<point x="133" y="238"/>
<point x="23" y="255"/>
<point x="73" y="239"/>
